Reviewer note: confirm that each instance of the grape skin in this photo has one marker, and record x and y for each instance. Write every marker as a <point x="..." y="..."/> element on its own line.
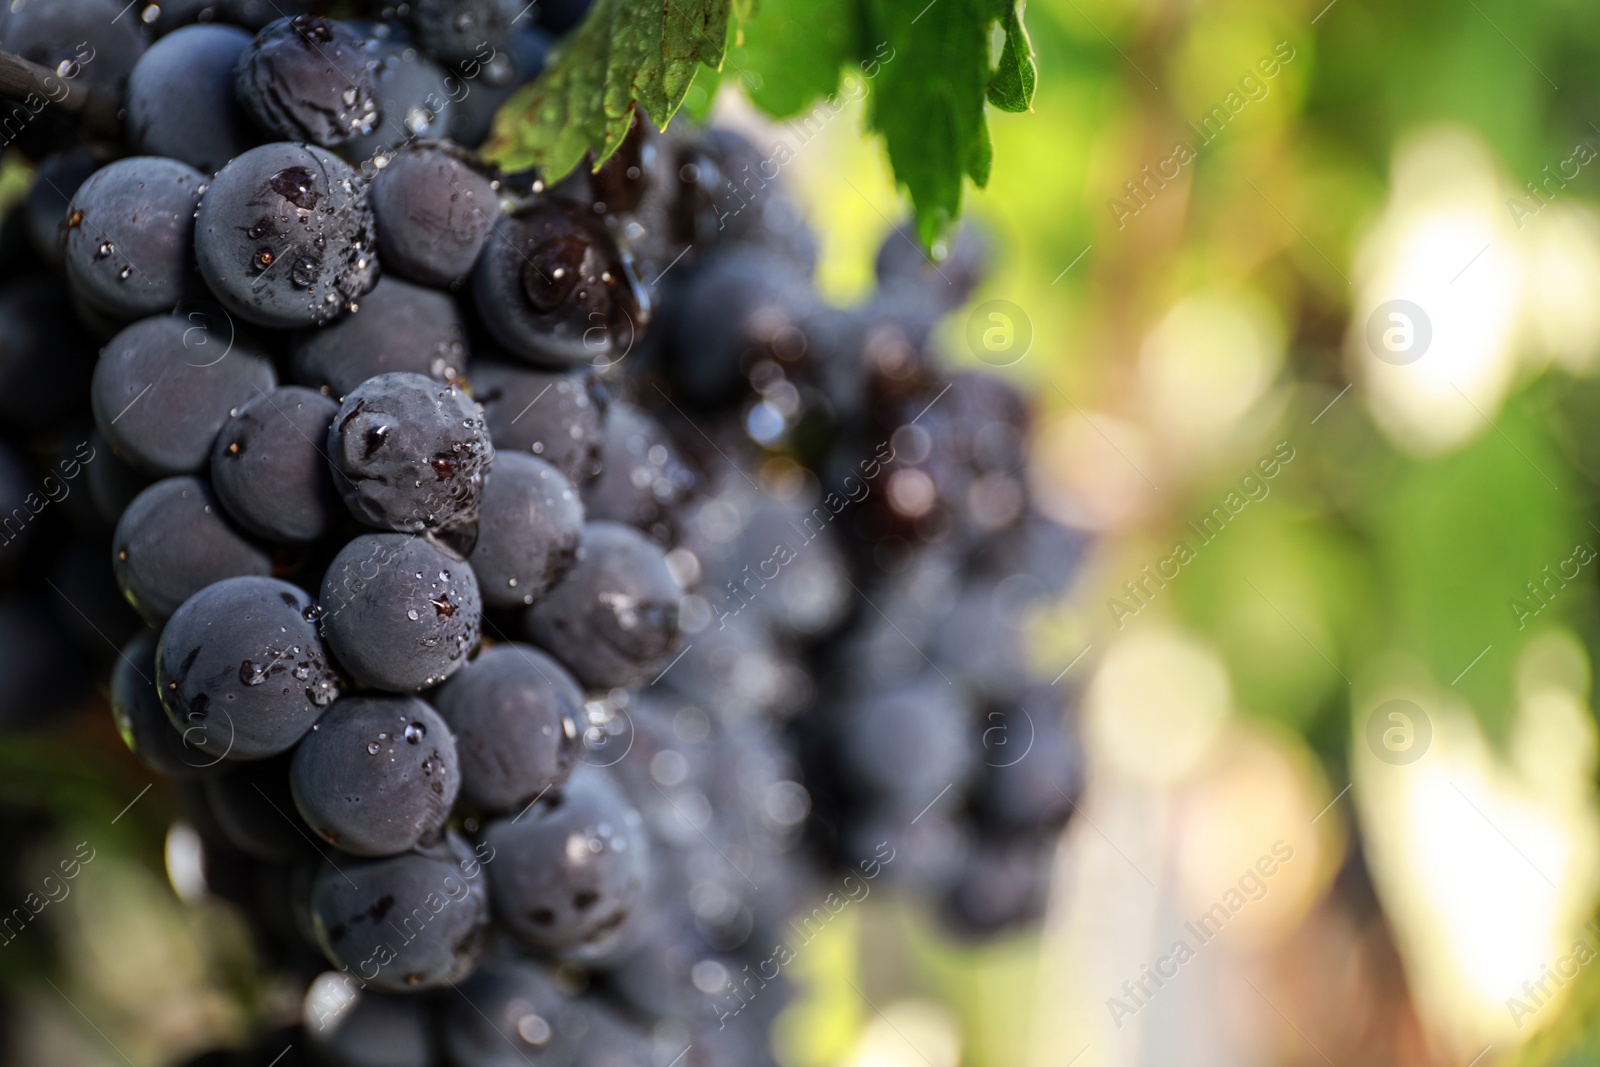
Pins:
<point x="161" y="395"/>
<point x="405" y="923"/>
<point x="555" y="898"/>
<point x="130" y="234"/>
<point x="306" y="78"/>
<point x="514" y="713"/>
<point x="399" y="613"/>
<point x="435" y="210"/>
<point x="140" y="718"/>
<point x="172" y="542"/>
<point x="378" y="775"/>
<point x="269" y="470"/>
<point x="180" y="97"/>
<point x="559" y="417"/>
<point x="397" y="327"/>
<point x="246" y="648"/>
<point x="614" y="618"/>
<point x="529" y="525"/>
<point x="284" y="237"/>
<point x="553" y="289"/>
<point x="409" y="453"/>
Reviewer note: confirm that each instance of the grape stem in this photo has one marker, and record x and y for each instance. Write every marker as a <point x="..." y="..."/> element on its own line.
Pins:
<point x="21" y="78"/>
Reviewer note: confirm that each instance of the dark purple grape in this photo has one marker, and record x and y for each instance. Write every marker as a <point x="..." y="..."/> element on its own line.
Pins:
<point x="1033" y="765"/>
<point x="514" y="713"/>
<point x="405" y="923"/>
<point x="181" y="101"/>
<point x="269" y="469"/>
<point x="130" y="234"/>
<point x="397" y="327"/>
<point x="642" y="480"/>
<point x="481" y="86"/>
<point x="553" y="288"/>
<point x="409" y="453"/>
<point x="242" y="670"/>
<point x="559" y="417"/>
<point x="435" y="209"/>
<point x="172" y="542"/>
<point x="308" y="79"/>
<point x="529" y="526"/>
<point x="413" y="95"/>
<point x="399" y="613"/>
<point x="377" y="776"/>
<point x="284" y="236"/>
<point x="614" y="618"/>
<point x="163" y="390"/>
<point x="1004" y="884"/>
<point x="742" y="309"/>
<point x="569" y="872"/>
<point x="141" y="720"/>
<point x="459" y="30"/>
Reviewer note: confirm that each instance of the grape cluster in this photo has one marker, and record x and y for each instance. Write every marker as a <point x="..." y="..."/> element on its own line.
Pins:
<point x="539" y="594"/>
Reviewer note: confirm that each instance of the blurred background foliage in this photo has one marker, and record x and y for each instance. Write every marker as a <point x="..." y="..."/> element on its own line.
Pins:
<point x="1183" y="329"/>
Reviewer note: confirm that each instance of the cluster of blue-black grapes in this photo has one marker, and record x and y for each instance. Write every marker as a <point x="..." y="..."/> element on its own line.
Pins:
<point x="551" y="611"/>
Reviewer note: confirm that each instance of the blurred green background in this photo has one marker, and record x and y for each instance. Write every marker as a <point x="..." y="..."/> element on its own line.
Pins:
<point x="1201" y="300"/>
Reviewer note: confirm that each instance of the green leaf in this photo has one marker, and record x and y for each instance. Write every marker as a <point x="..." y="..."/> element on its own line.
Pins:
<point x="793" y="51"/>
<point x="627" y="52"/>
<point x="927" y="100"/>
<point x="1011" y="87"/>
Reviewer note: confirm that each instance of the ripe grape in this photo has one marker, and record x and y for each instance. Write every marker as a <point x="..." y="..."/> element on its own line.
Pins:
<point x="180" y="98"/>
<point x="405" y="923"/>
<point x="569" y="871"/>
<point x="141" y="720"/>
<point x="161" y="393"/>
<point x="514" y="713"/>
<point x="307" y="78"/>
<point x="242" y="670"/>
<point x="397" y="327"/>
<point x="529" y="526"/>
<point x="284" y="236"/>
<point x="614" y="618"/>
<point x="130" y="233"/>
<point x="172" y="542"/>
<point x="552" y="287"/>
<point x="399" y="613"/>
<point x="377" y="776"/>
<point x="459" y="30"/>
<point x="435" y="208"/>
<point x="559" y="417"/>
<point x="269" y="469"/>
<point x="409" y="453"/>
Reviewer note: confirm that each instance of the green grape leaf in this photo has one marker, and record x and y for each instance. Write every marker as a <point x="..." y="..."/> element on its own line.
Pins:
<point x="927" y="101"/>
<point x="793" y="51"/>
<point x="627" y="53"/>
<point x="1011" y="87"/>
